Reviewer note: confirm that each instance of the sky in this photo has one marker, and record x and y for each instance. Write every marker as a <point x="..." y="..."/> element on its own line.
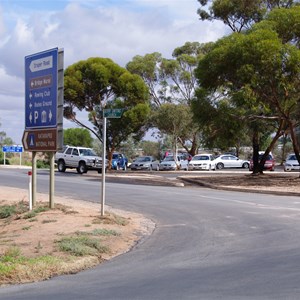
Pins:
<point x="115" y="29"/>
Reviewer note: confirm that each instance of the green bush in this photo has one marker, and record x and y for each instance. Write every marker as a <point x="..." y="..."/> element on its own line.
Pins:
<point x="6" y="161"/>
<point x="42" y="164"/>
<point x="7" y="211"/>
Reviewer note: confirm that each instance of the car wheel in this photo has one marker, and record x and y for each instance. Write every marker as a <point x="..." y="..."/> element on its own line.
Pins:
<point x="61" y="166"/>
<point x="100" y="171"/>
<point x="245" y="165"/>
<point x="81" y="168"/>
<point x="220" y="166"/>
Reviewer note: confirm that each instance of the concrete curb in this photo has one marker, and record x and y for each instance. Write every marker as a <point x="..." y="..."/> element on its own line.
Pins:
<point x="240" y="189"/>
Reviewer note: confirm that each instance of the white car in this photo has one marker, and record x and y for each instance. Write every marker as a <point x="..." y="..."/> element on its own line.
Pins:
<point x="291" y="163"/>
<point x="202" y="162"/>
<point x="169" y="163"/>
<point x="230" y="161"/>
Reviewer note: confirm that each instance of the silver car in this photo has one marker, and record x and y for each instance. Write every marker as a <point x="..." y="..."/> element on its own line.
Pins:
<point x="145" y="163"/>
<point x="169" y="163"/>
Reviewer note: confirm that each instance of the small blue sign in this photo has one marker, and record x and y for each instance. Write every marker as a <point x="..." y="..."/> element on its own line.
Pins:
<point x="41" y="89"/>
<point x="12" y="148"/>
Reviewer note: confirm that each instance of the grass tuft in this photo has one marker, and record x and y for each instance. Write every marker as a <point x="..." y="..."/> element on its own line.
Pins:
<point x="111" y="219"/>
<point x="81" y="246"/>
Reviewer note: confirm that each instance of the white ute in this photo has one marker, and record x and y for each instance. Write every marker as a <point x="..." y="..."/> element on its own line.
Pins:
<point x="81" y="158"/>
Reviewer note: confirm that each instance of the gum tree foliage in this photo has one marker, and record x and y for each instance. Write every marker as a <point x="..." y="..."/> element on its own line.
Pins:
<point x="173" y="119"/>
<point x="260" y="75"/>
<point x="239" y="15"/>
<point x="173" y="81"/>
<point x="217" y="118"/>
<point x="78" y="137"/>
<point x="97" y="83"/>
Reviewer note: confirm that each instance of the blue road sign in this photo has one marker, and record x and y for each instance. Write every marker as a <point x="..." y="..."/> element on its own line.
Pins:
<point x="41" y="89"/>
<point x="12" y="149"/>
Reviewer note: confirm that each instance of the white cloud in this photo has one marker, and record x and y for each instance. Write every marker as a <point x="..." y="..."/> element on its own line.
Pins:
<point x="115" y="29"/>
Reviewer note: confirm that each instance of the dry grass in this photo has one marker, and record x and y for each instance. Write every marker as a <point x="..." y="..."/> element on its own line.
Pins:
<point x="30" y="242"/>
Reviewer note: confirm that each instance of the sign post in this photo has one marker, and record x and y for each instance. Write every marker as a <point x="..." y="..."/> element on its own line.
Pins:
<point x="12" y="149"/>
<point x="107" y="113"/>
<point x="43" y="108"/>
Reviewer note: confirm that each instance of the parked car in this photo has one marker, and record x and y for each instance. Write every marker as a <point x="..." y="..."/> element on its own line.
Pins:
<point x="119" y="161"/>
<point x="169" y="163"/>
<point x="202" y="162"/>
<point x="145" y="163"/>
<point x="81" y="158"/>
<point x="269" y="163"/>
<point x="291" y="163"/>
<point x="230" y="161"/>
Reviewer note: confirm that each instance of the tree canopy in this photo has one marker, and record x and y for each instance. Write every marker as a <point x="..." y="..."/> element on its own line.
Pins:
<point x="78" y="137"/>
<point x="239" y="15"/>
<point x="172" y="81"/>
<point x="99" y="83"/>
<point x="259" y="73"/>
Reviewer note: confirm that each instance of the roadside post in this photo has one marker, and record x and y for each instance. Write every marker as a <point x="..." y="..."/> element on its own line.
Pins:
<point x="30" y="190"/>
<point x="107" y="113"/>
<point x="103" y="168"/>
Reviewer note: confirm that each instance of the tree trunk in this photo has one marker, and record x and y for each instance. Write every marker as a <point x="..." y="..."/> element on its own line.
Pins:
<point x="255" y="145"/>
<point x="271" y="146"/>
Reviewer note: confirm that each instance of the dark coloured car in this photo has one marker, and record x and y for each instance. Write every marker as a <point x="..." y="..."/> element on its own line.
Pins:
<point x="269" y="163"/>
<point x="119" y="161"/>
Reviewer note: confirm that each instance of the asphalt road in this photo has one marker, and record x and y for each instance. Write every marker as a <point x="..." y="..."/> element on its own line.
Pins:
<point x="208" y="244"/>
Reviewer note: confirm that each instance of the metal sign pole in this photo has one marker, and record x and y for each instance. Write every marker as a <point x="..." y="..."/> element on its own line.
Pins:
<point x="51" y="187"/>
<point x="103" y="167"/>
<point x="33" y="190"/>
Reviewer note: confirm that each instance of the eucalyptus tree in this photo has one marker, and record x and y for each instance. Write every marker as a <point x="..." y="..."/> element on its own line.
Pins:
<point x="260" y="75"/>
<point x="173" y="81"/>
<point x="239" y="15"/>
<point x="98" y="83"/>
<point x="78" y="137"/>
<point x="174" y="120"/>
<point x="220" y="122"/>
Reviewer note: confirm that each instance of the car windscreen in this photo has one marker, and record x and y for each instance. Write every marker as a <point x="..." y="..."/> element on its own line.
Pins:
<point x="87" y="152"/>
<point x="202" y="157"/>
<point x="269" y="157"/>
<point x="169" y="158"/>
<point x="142" y="159"/>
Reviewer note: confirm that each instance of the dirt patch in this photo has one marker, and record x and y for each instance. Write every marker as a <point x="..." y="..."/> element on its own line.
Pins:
<point x="284" y="183"/>
<point x="37" y="235"/>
